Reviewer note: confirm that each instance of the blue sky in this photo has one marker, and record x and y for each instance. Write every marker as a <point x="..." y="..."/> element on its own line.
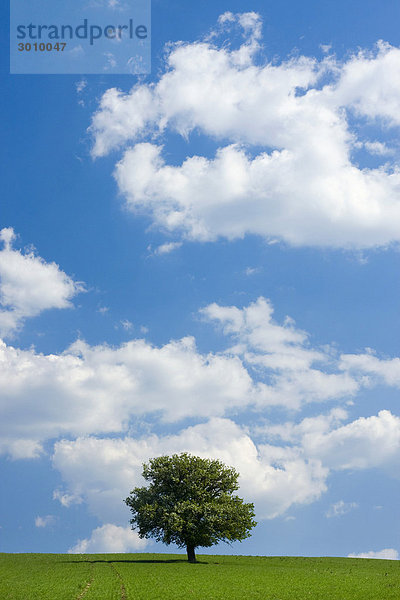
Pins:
<point x="206" y="259"/>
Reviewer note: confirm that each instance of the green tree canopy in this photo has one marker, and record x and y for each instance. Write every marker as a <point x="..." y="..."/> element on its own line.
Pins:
<point x="190" y="502"/>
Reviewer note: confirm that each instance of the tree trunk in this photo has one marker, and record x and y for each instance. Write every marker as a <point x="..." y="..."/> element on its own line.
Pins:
<point x="190" y="553"/>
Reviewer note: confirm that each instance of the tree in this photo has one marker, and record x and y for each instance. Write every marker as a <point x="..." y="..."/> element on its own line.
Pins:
<point x="190" y="502"/>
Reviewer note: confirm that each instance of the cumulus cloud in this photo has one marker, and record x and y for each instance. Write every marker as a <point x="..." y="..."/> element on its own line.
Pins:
<point x="291" y="432"/>
<point x="281" y="465"/>
<point x="272" y="195"/>
<point x="381" y="370"/>
<point x="103" y="471"/>
<point x="204" y="87"/>
<point x="369" y="83"/>
<point x="303" y="186"/>
<point x="364" y="443"/>
<point x="29" y="285"/>
<point x="297" y="372"/>
<point x="387" y="554"/>
<point x="109" y="538"/>
<point x="101" y="389"/>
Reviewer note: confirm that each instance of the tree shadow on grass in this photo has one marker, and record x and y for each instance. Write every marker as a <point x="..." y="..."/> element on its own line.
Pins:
<point x="130" y="561"/>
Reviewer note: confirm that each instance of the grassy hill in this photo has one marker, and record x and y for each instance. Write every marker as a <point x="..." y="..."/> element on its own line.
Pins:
<point x="170" y="577"/>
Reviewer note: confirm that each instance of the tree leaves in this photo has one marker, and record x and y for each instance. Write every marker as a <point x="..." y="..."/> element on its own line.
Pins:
<point x="190" y="502"/>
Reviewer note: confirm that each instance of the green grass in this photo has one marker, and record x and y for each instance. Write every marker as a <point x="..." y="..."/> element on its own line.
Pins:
<point x="170" y="577"/>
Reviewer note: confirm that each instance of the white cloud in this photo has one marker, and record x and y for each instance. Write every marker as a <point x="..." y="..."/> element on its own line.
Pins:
<point x="326" y="48"/>
<point x="303" y="187"/>
<point x="167" y="248"/>
<point x="17" y="446"/>
<point x="294" y="432"/>
<point x="29" y="285"/>
<point x="273" y="195"/>
<point x="369" y="83"/>
<point x="340" y="508"/>
<point x="282" y="351"/>
<point x="77" y="51"/>
<point x="208" y="88"/>
<point x="255" y="329"/>
<point x="252" y="270"/>
<point x="80" y="85"/>
<point x="378" y="148"/>
<point x="98" y="389"/>
<point x="371" y="366"/>
<point x="109" y="538"/>
<point x="103" y="471"/>
<point x="45" y="521"/>
<point x="66" y="499"/>
<point x="111" y="63"/>
<point x="364" y="443"/>
<point x="387" y="553"/>
<point x="101" y="389"/>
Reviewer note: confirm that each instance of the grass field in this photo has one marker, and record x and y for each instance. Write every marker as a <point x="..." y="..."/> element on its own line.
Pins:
<point x="170" y="577"/>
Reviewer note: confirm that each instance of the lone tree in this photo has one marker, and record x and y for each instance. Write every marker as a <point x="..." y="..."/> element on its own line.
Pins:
<point x="190" y="502"/>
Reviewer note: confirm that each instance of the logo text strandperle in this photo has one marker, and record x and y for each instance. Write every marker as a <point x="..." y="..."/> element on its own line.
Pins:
<point x="82" y="32"/>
